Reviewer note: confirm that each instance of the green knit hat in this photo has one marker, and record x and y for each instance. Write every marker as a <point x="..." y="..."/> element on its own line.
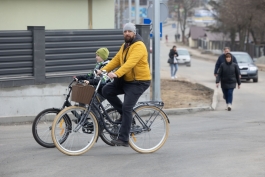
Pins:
<point x="103" y="53"/>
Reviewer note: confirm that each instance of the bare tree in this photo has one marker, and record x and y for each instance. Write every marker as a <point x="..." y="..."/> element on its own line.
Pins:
<point x="184" y="6"/>
<point x="243" y="17"/>
<point x="257" y="29"/>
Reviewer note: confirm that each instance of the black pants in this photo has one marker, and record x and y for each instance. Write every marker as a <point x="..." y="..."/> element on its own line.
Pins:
<point x="132" y="92"/>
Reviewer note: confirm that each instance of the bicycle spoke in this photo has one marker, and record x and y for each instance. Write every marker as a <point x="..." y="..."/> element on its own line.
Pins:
<point x="153" y="138"/>
<point x="78" y="139"/>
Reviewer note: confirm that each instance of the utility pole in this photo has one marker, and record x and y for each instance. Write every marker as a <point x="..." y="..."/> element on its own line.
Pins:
<point x="178" y="26"/>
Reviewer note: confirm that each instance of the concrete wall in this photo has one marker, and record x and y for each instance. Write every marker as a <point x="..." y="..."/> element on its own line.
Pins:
<point x="29" y="100"/>
<point x="24" y="103"/>
<point x="55" y="14"/>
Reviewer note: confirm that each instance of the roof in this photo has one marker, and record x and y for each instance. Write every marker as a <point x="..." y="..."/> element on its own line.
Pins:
<point x="216" y="36"/>
<point x="196" y="32"/>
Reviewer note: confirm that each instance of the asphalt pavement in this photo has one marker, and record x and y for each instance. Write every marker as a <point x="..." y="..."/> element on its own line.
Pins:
<point x="202" y="144"/>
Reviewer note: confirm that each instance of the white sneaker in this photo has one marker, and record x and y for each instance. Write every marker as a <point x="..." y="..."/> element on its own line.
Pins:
<point x="172" y="77"/>
<point x="229" y="107"/>
<point x="175" y="77"/>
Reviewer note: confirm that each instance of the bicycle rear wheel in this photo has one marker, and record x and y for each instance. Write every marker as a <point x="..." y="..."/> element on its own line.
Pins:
<point x="144" y="140"/>
<point x="42" y="125"/>
<point x="80" y="138"/>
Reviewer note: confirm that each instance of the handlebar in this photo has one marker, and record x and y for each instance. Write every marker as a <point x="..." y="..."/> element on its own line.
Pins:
<point x="79" y="81"/>
<point x="103" y="73"/>
<point x="71" y="83"/>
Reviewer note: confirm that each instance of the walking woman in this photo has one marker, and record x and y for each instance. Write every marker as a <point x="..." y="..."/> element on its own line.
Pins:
<point x="229" y="75"/>
<point x="173" y="54"/>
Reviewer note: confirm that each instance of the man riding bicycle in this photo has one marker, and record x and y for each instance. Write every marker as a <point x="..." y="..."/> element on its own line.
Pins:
<point x="131" y="79"/>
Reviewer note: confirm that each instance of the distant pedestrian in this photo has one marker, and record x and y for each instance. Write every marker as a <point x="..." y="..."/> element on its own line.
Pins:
<point x="173" y="54"/>
<point x="178" y="37"/>
<point x="229" y="75"/>
<point x="166" y="37"/>
<point x="221" y="59"/>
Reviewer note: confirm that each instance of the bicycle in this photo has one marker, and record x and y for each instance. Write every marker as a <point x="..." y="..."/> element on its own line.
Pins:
<point x="41" y="126"/>
<point x="149" y="121"/>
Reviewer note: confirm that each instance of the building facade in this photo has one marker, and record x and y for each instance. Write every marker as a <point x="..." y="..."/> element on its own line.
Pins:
<point x="57" y="14"/>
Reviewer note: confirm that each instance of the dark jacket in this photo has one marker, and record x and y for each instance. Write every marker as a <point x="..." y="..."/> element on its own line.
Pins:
<point x="93" y="80"/>
<point x="228" y="75"/>
<point x="171" y="54"/>
<point x="221" y="59"/>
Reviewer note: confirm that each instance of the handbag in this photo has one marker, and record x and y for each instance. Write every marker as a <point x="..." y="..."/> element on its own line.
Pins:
<point x="175" y="60"/>
<point x="169" y="60"/>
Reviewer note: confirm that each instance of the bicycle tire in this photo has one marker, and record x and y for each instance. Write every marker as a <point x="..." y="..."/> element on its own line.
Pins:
<point x="44" y="138"/>
<point x="87" y="132"/>
<point x="104" y="135"/>
<point x="143" y="136"/>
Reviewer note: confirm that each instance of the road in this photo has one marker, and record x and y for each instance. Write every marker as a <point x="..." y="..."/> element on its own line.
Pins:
<point x="207" y="144"/>
<point x="168" y="30"/>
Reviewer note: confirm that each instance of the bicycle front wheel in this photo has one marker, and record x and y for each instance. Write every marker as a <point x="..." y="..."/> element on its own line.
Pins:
<point x="42" y="125"/>
<point x="79" y="138"/>
<point x="151" y="138"/>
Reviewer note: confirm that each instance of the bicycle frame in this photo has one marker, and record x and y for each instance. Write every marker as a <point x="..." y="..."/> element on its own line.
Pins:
<point x="100" y="119"/>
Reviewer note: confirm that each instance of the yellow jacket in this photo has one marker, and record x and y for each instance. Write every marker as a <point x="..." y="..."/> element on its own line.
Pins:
<point x="136" y="66"/>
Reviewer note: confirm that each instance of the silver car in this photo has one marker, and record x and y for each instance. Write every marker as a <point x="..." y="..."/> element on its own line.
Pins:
<point x="184" y="57"/>
<point x="246" y="65"/>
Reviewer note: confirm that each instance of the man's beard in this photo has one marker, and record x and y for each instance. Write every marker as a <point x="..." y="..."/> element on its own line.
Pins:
<point x="128" y="39"/>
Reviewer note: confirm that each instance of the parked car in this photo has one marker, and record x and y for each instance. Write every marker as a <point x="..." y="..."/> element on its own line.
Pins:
<point x="247" y="67"/>
<point x="184" y="56"/>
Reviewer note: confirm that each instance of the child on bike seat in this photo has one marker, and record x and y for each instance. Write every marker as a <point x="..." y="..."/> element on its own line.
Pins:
<point x="102" y="55"/>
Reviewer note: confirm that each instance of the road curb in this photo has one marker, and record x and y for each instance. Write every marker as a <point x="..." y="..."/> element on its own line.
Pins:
<point x="16" y="120"/>
<point x="180" y="111"/>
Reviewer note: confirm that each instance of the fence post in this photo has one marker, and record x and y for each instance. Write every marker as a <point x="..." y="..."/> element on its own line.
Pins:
<point x="38" y="43"/>
<point x="144" y="31"/>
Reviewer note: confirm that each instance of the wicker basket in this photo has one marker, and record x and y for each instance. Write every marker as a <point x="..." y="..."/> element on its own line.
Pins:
<point x="82" y="93"/>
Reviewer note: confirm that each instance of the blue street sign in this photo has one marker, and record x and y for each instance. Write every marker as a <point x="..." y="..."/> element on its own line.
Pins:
<point x="149" y="22"/>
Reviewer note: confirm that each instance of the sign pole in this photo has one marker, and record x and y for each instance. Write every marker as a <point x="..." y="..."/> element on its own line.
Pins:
<point x="130" y="10"/>
<point x="137" y="11"/>
<point x="156" y="95"/>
